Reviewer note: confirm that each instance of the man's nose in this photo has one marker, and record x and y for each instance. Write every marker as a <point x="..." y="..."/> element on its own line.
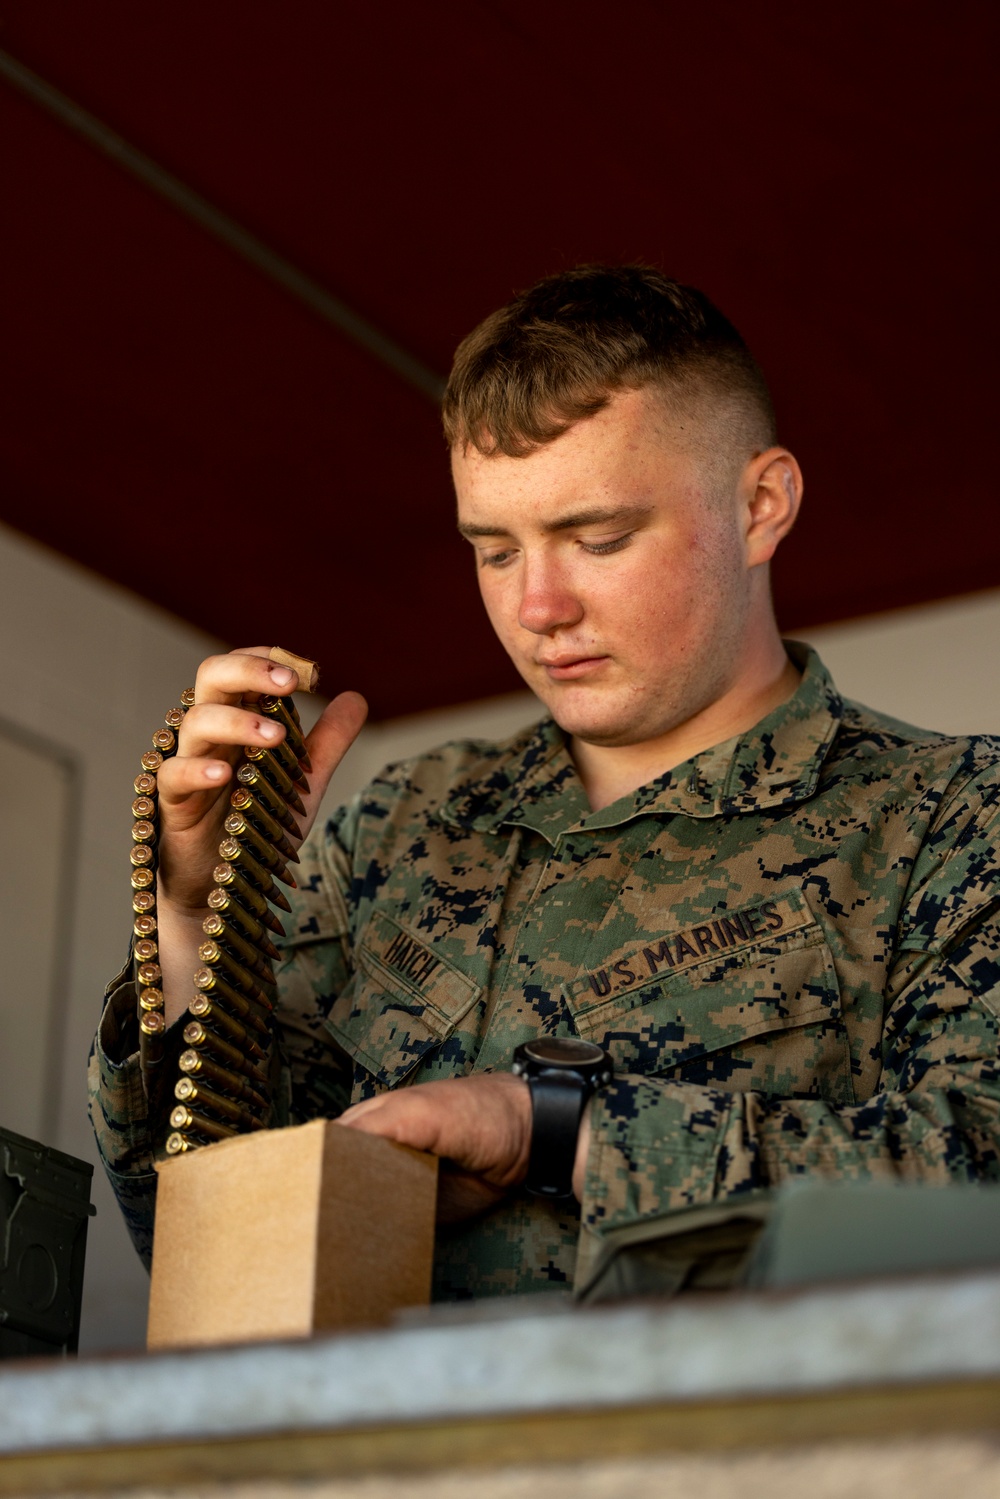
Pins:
<point x="547" y="601"/>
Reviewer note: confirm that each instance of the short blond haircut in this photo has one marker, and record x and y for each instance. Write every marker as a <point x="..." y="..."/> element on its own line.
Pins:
<point x="558" y="352"/>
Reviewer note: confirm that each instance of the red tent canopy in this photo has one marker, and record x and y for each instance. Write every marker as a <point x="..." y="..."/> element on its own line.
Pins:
<point x="176" y="420"/>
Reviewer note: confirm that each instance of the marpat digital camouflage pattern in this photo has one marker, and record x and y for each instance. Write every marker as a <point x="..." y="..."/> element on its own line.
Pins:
<point x="790" y="945"/>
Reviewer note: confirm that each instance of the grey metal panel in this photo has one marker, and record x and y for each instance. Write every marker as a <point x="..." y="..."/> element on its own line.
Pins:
<point x="520" y="1361"/>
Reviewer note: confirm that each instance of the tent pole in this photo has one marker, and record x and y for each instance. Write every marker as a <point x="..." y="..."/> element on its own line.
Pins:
<point x="219" y="224"/>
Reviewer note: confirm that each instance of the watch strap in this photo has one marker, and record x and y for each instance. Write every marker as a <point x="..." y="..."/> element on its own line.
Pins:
<point x="557" y="1102"/>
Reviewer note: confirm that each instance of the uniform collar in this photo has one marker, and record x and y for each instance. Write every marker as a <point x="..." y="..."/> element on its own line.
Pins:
<point x="774" y="764"/>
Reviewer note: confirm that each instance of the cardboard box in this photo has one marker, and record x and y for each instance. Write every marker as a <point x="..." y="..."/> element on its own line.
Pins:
<point x="289" y="1232"/>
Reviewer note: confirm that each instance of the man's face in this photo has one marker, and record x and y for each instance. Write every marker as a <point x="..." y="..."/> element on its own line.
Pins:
<point x="613" y="570"/>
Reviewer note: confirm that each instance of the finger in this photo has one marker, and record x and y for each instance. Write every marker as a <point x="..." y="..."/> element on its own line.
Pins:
<point x="332" y="736"/>
<point x="228" y="678"/>
<point x="187" y="786"/>
<point x="357" y="1111"/>
<point x="184" y="774"/>
<point x="278" y="671"/>
<point x="209" y="725"/>
<point x="414" y="1127"/>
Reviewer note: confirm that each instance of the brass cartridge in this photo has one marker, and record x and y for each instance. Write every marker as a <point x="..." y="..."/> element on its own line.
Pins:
<point x="141" y="854"/>
<point x="151" y="998"/>
<point x="187" y="698"/>
<point x="151" y="1028"/>
<point x="195" y="1064"/>
<point x="250" y="974"/>
<point x="145" y="784"/>
<point x="210" y="1013"/>
<point x="211" y="987"/>
<point x="230" y="848"/>
<point x="250" y="954"/>
<point x="283" y="756"/>
<point x="228" y="875"/>
<point x="143" y="903"/>
<point x="183" y="1118"/>
<point x="229" y="909"/>
<point x="142" y="879"/>
<point x="263" y="850"/>
<point x="289" y="762"/>
<point x="165" y="740"/>
<point x="177" y="1144"/>
<point x="151" y="761"/>
<point x="243" y="801"/>
<point x="253" y="779"/>
<point x="237" y="826"/>
<point x="195" y="1095"/>
<point x="198" y="1038"/>
<point x="143" y="830"/>
<point x="277" y="708"/>
<point x="251" y="1043"/>
<point x="173" y="718"/>
<point x="145" y="950"/>
<point x="255" y="873"/>
<point x="248" y="896"/>
<point x="143" y="806"/>
<point x="148" y="972"/>
<point x="278" y="777"/>
<point x="221" y="971"/>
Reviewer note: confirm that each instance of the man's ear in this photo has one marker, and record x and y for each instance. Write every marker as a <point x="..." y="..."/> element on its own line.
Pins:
<point x="772" y="485"/>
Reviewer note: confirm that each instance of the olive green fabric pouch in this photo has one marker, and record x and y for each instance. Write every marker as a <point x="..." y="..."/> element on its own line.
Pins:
<point x="806" y="1233"/>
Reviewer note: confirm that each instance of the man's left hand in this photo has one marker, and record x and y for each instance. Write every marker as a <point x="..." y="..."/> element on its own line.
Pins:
<point x="479" y="1125"/>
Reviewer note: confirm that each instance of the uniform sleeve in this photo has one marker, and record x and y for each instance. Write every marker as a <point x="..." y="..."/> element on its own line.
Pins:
<point x="313" y="1078"/>
<point x="119" y="1114"/>
<point x="934" y="1117"/>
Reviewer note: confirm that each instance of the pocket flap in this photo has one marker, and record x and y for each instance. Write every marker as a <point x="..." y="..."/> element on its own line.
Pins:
<point x="712" y="986"/>
<point x="405" y="1000"/>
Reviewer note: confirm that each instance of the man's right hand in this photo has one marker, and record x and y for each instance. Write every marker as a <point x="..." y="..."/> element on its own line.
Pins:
<point x="194" y="787"/>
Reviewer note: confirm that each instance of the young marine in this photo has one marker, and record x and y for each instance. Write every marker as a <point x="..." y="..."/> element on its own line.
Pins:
<point x="751" y="926"/>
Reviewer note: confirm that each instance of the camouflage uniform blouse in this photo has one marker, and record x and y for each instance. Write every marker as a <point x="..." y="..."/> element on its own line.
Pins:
<point x="790" y="945"/>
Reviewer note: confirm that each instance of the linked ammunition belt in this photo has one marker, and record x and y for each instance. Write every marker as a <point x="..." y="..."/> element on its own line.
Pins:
<point x="223" y="1085"/>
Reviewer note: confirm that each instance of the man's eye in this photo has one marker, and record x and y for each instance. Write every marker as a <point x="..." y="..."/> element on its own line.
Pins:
<point x="602" y="548"/>
<point x="494" y="559"/>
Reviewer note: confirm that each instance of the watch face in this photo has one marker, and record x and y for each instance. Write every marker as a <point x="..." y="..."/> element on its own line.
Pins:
<point x="563" y="1051"/>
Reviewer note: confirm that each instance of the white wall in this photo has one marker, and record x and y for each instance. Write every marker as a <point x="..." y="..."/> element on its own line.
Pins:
<point x="937" y="666"/>
<point x="37" y="882"/>
<point x="89" y="669"/>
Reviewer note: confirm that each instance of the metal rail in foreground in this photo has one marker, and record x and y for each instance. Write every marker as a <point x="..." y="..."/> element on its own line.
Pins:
<point x="453" y="1388"/>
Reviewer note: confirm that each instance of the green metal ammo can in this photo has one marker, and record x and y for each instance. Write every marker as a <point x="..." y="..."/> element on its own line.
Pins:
<point x="44" y="1208"/>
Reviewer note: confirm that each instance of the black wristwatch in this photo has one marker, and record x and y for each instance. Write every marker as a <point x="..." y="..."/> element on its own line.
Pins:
<point x="561" y="1073"/>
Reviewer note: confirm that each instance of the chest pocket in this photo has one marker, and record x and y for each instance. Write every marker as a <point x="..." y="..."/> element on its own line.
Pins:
<point x="762" y="1014"/>
<point x="404" y="1000"/>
